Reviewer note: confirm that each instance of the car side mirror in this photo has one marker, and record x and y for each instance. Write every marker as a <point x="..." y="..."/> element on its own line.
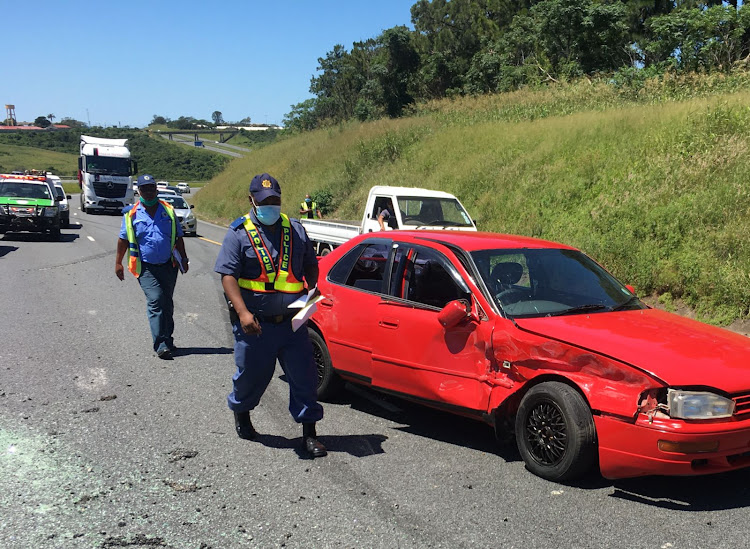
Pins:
<point x="192" y="206"/>
<point x="68" y="197"/>
<point x="58" y="199"/>
<point x="454" y="312"/>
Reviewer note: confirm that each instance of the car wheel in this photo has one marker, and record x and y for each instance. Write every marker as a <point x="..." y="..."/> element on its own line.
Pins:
<point x="555" y="432"/>
<point x="329" y="382"/>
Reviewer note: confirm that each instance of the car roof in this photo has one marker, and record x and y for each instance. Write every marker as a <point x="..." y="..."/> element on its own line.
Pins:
<point x="468" y="240"/>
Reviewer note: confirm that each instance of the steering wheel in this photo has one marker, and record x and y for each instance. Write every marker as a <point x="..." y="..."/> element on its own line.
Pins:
<point x="506" y="296"/>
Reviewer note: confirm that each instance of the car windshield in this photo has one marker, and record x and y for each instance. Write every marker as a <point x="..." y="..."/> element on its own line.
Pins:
<point x="550" y="282"/>
<point x="24" y="190"/>
<point x="108" y="165"/>
<point x="177" y="202"/>
<point x="431" y="211"/>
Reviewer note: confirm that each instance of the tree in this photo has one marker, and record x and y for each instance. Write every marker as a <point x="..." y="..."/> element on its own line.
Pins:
<point x="400" y="65"/>
<point x="72" y="122"/>
<point x="217" y="117"/>
<point x="302" y="116"/>
<point x="41" y="122"/>
<point x="51" y="117"/>
<point x="158" y="120"/>
<point x="245" y="121"/>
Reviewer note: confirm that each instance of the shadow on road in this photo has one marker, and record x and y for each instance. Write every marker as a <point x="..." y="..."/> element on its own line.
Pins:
<point x="184" y="351"/>
<point x="354" y="445"/>
<point x="5" y="250"/>
<point x="38" y="237"/>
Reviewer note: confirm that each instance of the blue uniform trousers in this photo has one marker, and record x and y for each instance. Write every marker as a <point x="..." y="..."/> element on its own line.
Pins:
<point x="255" y="357"/>
<point x="158" y="282"/>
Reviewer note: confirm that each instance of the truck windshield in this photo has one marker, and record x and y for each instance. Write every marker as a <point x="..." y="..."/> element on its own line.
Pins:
<point x="108" y="165"/>
<point x="432" y="211"/>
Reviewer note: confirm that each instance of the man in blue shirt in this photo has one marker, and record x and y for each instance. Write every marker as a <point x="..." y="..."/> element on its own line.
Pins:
<point x="153" y="237"/>
<point x="262" y="262"/>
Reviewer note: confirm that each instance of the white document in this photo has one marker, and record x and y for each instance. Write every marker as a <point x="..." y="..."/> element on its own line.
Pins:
<point x="178" y="257"/>
<point x="307" y="306"/>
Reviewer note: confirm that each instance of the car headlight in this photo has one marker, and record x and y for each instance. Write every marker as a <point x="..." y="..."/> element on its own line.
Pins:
<point x="63" y="207"/>
<point x="50" y="211"/>
<point x="698" y="405"/>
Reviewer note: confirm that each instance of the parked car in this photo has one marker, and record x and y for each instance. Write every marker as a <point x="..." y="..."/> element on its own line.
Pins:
<point x="183" y="211"/>
<point x="538" y="340"/>
<point x="184" y="188"/>
<point x="63" y="205"/>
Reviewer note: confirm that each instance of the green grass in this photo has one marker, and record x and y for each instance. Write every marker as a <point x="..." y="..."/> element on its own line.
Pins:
<point x="653" y="182"/>
<point x="17" y="157"/>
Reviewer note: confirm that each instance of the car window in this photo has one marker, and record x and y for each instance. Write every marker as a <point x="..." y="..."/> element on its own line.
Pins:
<point x="60" y="192"/>
<point x="368" y="272"/>
<point x="425" y="276"/>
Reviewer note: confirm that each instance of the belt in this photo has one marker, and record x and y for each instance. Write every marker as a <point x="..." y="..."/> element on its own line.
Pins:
<point x="274" y="319"/>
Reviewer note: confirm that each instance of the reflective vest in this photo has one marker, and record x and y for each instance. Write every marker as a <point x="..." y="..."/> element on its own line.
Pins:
<point x="272" y="279"/>
<point x="313" y="208"/>
<point x="134" y="259"/>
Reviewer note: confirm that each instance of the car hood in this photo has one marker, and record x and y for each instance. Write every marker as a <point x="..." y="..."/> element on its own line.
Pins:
<point x="675" y="349"/>
<point x="182" y="211"/>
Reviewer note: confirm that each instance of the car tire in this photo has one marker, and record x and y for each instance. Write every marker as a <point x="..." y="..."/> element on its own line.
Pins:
<point x="325" y="250"/>
<point x="555" y="432"/>
<point x="329" y="382"/>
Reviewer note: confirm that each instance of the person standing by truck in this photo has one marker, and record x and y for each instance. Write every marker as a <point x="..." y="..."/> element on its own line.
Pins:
<point x="262" y="262"/>
<point x="152" y="234"/>
<point x="309" y="208"/>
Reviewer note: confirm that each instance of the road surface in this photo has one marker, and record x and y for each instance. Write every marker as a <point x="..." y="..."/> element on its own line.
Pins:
<point x="104" y="445"/>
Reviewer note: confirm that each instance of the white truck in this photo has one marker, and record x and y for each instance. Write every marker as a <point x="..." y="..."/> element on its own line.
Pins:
<point x="409" y="208"/>
<point x="105" y="174"/>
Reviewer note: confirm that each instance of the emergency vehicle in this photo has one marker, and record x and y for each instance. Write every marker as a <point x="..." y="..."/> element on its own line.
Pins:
<point x="29" y="203"/>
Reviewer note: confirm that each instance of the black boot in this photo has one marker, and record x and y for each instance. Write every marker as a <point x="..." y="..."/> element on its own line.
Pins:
<point x="310" y="439"/>
<point x="244" y="426"/>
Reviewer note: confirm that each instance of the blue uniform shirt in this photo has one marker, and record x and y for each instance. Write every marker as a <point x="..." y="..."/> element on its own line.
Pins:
<point x="154" y="235"/>
<point x="237" y="257"/>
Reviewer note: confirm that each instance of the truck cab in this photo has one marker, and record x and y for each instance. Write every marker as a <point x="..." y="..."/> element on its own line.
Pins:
<point x="105" y="174"/>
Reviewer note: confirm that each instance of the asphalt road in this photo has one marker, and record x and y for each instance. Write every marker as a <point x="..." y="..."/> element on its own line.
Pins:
<point x="210" y="145"/>
<point x="104" y="445"/>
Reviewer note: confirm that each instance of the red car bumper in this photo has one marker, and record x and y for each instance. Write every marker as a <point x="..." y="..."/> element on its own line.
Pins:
<point x="632" y="450"/>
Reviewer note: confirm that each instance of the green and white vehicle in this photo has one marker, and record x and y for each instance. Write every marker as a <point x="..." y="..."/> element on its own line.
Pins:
<point x="29" y="203"/>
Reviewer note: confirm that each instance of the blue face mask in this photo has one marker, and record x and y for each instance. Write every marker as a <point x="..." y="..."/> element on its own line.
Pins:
<point x="268" y="215"/>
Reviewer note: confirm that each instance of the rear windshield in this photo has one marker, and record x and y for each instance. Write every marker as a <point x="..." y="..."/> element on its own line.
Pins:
<point x="23" y="189"/>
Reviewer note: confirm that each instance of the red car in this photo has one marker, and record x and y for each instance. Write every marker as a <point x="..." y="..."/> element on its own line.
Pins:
<point x="534" y="337"/>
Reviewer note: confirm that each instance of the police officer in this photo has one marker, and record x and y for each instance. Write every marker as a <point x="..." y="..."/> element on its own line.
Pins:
<point x="150" y="233"/>
<point x="309" y="208"/>
<point x="263" y="260"/>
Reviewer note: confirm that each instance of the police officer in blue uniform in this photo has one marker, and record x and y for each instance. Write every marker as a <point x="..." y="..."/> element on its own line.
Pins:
<point x="263" y="260"/>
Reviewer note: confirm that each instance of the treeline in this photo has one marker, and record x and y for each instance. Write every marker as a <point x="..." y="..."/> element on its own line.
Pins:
<point x="471" y="47"/>
<point x="154" y="155"/>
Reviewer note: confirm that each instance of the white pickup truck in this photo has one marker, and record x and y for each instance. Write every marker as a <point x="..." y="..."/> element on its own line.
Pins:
<point x="410" y="208"/>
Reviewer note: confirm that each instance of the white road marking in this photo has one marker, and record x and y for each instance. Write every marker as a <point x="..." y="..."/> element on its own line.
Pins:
<point x="91" y="238"/>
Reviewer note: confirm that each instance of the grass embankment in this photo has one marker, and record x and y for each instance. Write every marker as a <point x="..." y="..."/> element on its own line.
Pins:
<point x="19" y="157"/>
<point x="651" y="180"/>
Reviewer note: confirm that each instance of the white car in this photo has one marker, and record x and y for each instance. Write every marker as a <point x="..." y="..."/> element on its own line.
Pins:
<point x="63" y="204"/>
<point x="183" y="187"/>
<point x="183" y="211"/>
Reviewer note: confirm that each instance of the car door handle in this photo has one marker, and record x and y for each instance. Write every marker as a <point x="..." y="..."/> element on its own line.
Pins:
<point x="326" y="303"/>
<point x="388" y="323"/>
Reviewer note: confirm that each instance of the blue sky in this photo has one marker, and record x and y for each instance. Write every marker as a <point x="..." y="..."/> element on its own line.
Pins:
<point x="122" y="62"/>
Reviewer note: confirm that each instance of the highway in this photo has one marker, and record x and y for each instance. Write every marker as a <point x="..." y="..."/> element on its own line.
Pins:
<point x="222" y="148"/>
<point x="102" y="444"/>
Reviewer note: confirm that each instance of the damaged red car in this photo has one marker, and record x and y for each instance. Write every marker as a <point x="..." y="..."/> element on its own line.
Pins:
<point x="535" y="338"/>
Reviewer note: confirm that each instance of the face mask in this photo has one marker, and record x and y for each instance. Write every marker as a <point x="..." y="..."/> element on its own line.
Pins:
<point x="308" y="200"/>
<point x="149" y="203"/>
<point x="268" y="215"/>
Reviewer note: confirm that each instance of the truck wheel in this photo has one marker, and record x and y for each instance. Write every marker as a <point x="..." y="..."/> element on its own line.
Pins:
<point x="555" y="432"/>
<point x="329" y="382"/>
<point x="325" y="250"/>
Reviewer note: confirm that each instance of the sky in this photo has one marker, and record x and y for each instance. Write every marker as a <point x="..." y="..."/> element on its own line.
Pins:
<point x="120" y="63"/>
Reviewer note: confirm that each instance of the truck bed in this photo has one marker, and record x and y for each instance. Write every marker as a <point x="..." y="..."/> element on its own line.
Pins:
<point x="331" y="232"/>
